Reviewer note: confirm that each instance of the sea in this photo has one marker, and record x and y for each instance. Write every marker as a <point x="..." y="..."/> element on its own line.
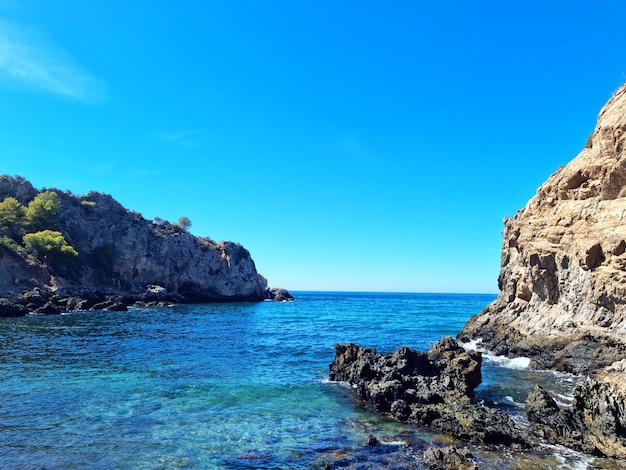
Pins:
<point x="238" y="386"/>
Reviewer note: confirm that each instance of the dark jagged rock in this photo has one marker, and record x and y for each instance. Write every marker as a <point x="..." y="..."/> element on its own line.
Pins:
<point x="431" y="388"/>
<point x="449" y="458"/>
<point x="278" y="294"/>
<point x="122" y="255"/>
<point x="9" y="308"/>
<point x="595" y="424"/>
<point x="554" y="425"/>
<point x="110" y="305"/>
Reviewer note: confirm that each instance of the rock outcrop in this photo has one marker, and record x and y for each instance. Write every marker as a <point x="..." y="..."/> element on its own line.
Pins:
<point x="449" y="458"/>
<point x="562" y="298"/>
<point x="431" y="388"/>
<point x="123" y="259"/>
<point x="562" y="283"/>
<point x="595" y="424"/>
<point x="278" y="294"/>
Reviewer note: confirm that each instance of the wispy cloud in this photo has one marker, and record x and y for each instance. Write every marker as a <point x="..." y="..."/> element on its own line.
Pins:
<point x="189" y="139"/>
<point x="30" y="60"/>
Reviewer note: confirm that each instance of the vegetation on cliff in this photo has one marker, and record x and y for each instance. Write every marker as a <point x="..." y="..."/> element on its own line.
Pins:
<point x="32" y="226"/>
<point x="62" y="246"/>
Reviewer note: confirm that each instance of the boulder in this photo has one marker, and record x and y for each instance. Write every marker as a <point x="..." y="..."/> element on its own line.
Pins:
<point x="595" y="424"/>
<point x="110" y="305"/>
<point x="278" y="294"/>
<point x="449" y="458"/>
<point x="153" y="293"/>
<point x="9" y="308"/>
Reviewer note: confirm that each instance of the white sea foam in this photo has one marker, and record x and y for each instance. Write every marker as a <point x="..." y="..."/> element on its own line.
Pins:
<point x="563" y="400"/>
<point x="509" y="401"/>
<point x="518" y="363"/>
<point x="569" y="459"/>
<point x="393" y="443"/>
<point x="472" y="344"/>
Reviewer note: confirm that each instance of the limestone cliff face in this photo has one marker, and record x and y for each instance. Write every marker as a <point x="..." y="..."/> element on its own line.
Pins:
<point x="563" y="269"/>
<point x="121" y="253"/>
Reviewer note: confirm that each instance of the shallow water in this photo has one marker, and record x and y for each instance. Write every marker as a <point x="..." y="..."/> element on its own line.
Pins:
<point x="230" y="386"/>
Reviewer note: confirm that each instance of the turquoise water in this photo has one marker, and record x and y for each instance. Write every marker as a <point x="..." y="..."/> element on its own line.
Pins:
<point x="228" y="386"/>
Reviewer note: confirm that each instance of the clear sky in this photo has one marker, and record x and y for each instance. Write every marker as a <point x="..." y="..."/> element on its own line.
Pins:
<point x="348" y="144"/>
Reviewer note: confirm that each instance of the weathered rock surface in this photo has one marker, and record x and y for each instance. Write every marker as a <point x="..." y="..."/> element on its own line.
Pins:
<point x="449" y="458"/>
<point x="278" y="294"/>
<point x="431" y="388"/>
<point x="562" y="298"/>
<point x="595" y="424"/>
<point x="562" y="283"/>
<point x="123" y="259"/>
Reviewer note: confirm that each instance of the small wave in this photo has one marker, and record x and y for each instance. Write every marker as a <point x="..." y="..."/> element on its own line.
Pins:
<point x="508" y="400"/>
<point x="563" y="400"/>
<point x="517" y="363"/>
<point x="327" y="381"/>
<point x="393" y="443"/>
<point x="569" y="459"/>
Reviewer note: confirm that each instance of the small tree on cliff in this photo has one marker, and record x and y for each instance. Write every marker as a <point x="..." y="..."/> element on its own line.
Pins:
<point x="11" y="216"/>
<point x="41" y="211"/>
<point x="183" y="223"/>
<point x="48" y="242"/>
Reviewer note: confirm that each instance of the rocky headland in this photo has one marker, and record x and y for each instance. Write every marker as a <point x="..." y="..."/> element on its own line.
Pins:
<point x="562" y="282"/>
<point x="562" y="303"/>
<point x="115" y="258"/>
<point x="562" y="298"/>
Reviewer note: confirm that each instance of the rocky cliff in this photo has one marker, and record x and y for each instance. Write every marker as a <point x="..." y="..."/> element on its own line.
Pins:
<point x="562" y="283"/>
<point x="123" y="256"/>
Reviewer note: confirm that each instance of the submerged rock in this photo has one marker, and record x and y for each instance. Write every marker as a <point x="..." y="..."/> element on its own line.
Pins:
<point x="431" y="388"/>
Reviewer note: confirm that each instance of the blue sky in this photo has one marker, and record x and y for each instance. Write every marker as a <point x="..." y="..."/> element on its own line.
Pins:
<point x="349" y="145"/>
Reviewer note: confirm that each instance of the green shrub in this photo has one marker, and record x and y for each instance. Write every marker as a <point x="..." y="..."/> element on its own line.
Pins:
<point x="11" y="216"/>
<point x="48" y="242"/>
<point x="183" y="223"/>
<point x="10" y="245"/>
<point x="42" y="209"/>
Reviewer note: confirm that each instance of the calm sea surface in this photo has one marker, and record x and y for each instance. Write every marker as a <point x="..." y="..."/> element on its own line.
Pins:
<point x="231" y="386"/>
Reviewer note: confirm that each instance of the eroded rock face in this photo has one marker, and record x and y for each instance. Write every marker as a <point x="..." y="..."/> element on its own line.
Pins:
<point x="431" y="388"/>
<point x="563" y="270"/>
<point x="123" y="258"/>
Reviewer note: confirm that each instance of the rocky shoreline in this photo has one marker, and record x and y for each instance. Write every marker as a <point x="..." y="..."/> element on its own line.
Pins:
<point x="45" y="301"/>
<point x="434" y="389"/>
<point x="562" y="305"/>
<point x="94" y="254"/>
